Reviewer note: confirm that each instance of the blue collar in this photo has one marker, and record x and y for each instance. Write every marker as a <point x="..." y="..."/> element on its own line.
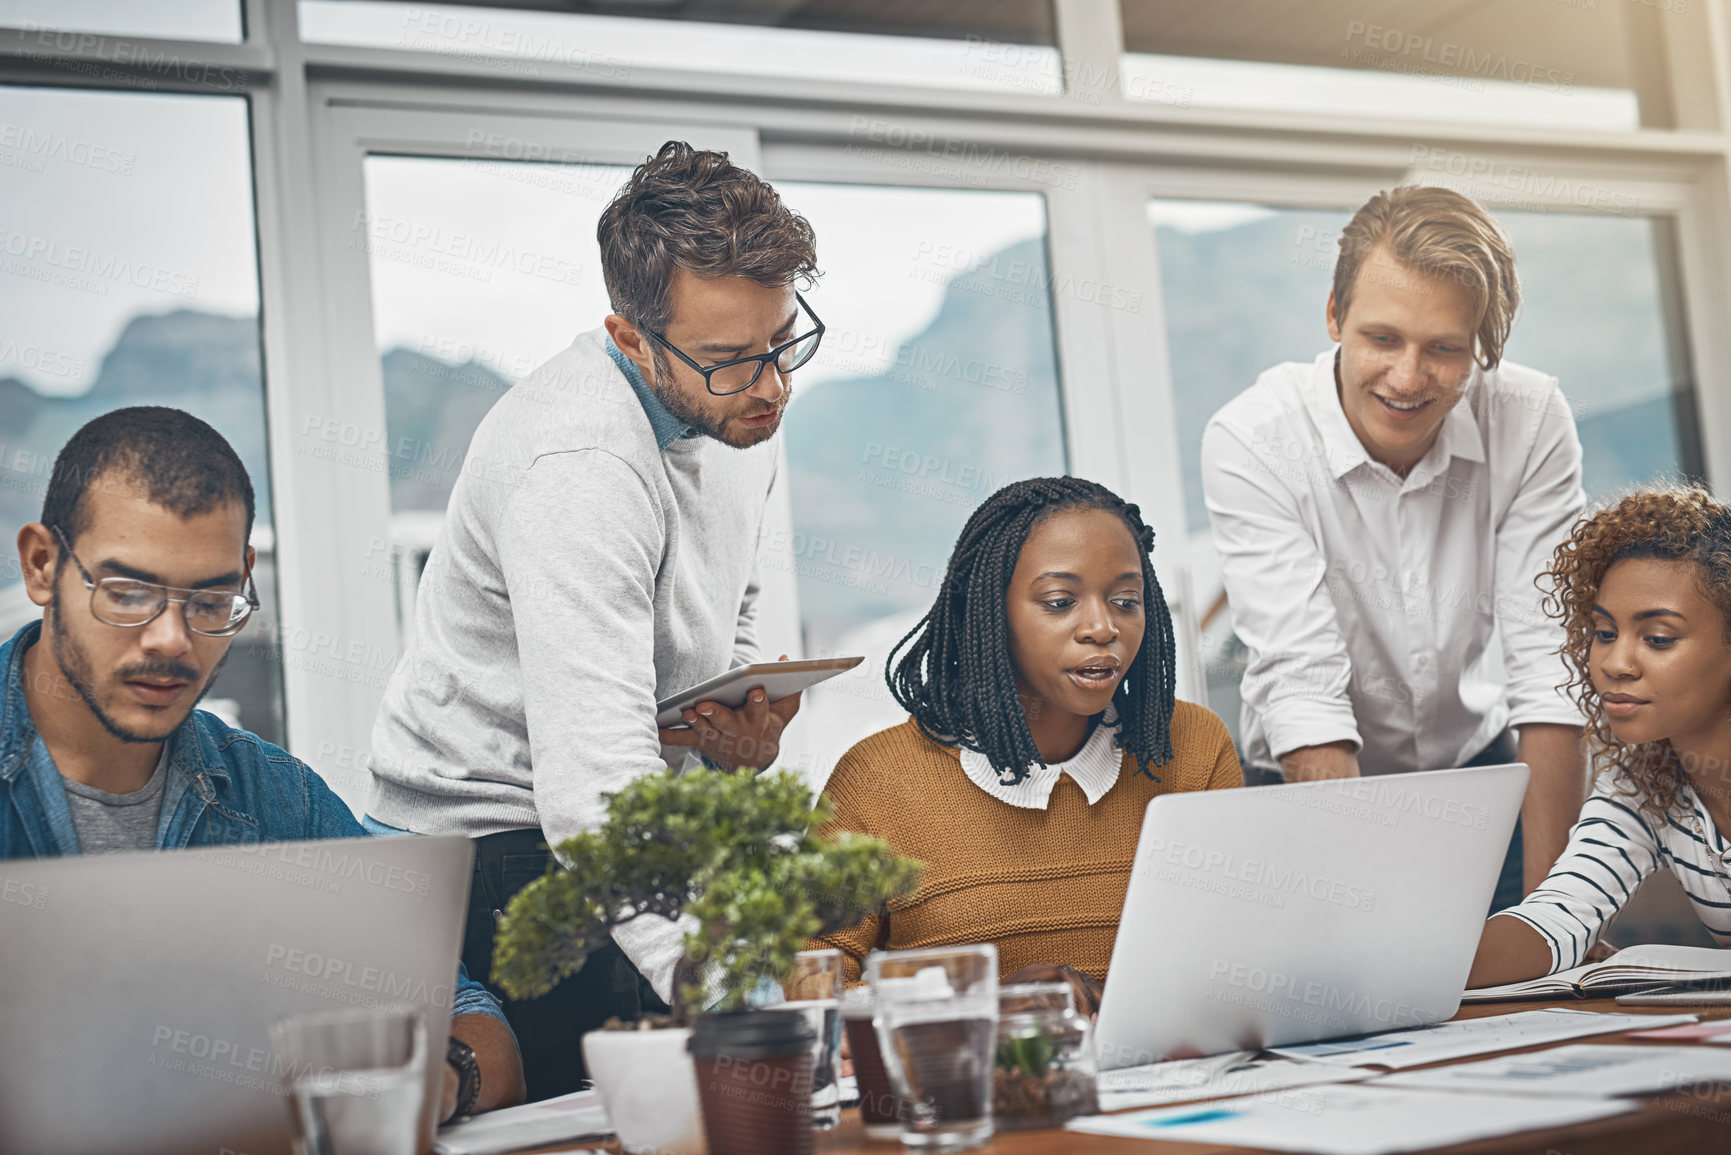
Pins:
<point x="666" y="426"/>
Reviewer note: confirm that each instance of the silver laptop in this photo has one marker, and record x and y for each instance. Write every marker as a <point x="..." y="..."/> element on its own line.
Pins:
<point x="137" y="990"/>
<point x="1285" y="914"/>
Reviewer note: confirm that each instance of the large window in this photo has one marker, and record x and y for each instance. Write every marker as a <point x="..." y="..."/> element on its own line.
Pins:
<point x="1005" y="45"/>
<point x="214" y="20"/>
<point x="1245" y="289"/>
<point x="481" y="271"/>
<point x="936" y="385"/>
<point x="128" y="277"/>
<point x="1565" y="64"/>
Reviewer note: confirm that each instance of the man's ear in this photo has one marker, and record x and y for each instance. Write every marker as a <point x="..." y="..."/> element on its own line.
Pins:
<point x="632" y="342"/>
<point x="38" y="555"/>
<point x="1332" y="319"/>
<point x="251" y="558"/>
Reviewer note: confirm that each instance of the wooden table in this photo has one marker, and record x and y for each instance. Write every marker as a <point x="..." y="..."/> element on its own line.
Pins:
<point x="1690" y="1123"/>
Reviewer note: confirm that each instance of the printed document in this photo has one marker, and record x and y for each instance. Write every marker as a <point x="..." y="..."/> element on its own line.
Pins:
<point x="1417" y="1046"/>
<point x="1582" y="1069"/>
<point x="1238" y="1073"/>
<point x="578" y="1115"/>
<point x="1353" y="1120"/>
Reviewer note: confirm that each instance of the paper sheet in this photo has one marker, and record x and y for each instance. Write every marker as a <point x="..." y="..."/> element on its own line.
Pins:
<point x="1353" y="1120"/>
<point x="1239" y="1073"/>
<point x="1414" y="1047"/>
<point x="1582" y="1069"/>
<point x="569" y="1117"/>
<point x="1717" y="1031"/>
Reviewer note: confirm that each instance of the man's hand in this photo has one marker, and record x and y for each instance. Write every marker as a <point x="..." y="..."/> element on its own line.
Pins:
<point x="748" y="736"/>
<point x="448" y="1097"/>
<point x="500" y="1063"/>
<point x="1314" y="763"/>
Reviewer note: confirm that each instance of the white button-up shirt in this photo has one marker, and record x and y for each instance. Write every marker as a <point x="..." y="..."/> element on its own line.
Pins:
<point x="1094" y="768"/>
<point x="1369" y="601"/>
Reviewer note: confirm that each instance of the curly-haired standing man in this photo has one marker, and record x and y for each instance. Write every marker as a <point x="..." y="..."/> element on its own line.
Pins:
<point x="1381" y="514"/>
<point x="599" y="553"/>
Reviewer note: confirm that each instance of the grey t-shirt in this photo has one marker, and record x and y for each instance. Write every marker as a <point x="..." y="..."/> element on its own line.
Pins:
<point x="112" y="822"/>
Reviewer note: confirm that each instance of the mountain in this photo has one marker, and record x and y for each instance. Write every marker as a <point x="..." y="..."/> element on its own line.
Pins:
<point x="200" y="362"/>
<point x="885" y="469"/>
<point x="1628" y="445"/>
<point x="431" y="410"/>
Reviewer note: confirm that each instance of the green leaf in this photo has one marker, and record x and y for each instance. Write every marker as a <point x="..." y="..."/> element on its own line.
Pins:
<point x="733" y="850"/>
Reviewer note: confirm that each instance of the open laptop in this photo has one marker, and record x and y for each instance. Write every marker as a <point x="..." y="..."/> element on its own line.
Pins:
<point x="1285" y="914"/>
<point x="137" y="990"/>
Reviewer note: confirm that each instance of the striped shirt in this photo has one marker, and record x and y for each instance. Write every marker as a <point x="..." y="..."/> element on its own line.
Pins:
<point x="1611" y="849"/>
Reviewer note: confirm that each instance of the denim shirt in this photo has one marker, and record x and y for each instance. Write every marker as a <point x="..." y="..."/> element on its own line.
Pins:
<point x="225" y="786"/>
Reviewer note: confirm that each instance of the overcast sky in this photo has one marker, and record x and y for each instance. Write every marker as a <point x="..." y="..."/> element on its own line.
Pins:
<point x="478" y="225"/>
<point x="116" y="204"/>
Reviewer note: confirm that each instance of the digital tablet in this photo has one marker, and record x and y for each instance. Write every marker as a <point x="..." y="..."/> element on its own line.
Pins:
<point x="778" y="679"/>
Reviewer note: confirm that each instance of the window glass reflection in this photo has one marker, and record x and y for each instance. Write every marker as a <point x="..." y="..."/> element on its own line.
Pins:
<point x="128" y="277"/>
<point x="936" y="384"/>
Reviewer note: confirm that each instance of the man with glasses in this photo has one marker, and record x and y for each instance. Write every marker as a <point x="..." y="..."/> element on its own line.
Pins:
<point x="598" y="554"/>
<point x="143" y="570"/>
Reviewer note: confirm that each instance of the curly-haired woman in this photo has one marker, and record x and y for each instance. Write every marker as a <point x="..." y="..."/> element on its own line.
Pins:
<point x="1043" y="721"/>
<point x="1644" y="590"/>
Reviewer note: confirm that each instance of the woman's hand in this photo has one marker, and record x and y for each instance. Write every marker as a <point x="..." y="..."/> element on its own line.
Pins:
<point x="1086" y="987"/>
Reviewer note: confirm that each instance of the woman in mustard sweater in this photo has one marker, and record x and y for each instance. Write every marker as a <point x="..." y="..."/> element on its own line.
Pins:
<point x="1043" y="721"/>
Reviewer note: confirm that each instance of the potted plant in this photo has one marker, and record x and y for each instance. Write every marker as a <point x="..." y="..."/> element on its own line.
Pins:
<point x="1045" y="1070"/>
<point x="733" y="851"/>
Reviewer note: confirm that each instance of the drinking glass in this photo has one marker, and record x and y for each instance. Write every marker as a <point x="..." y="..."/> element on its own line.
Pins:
<point x="937" y="1022"/>
<point x="814" y="988"/>
<point x="357" y="1079"/>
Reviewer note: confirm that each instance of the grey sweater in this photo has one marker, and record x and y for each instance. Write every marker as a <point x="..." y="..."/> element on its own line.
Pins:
<point x="582" y="573"/>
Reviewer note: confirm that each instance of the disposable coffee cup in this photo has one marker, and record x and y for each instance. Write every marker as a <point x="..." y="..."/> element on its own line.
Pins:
<point x="879" y="1109"/>
<point x="754" y="1081"/>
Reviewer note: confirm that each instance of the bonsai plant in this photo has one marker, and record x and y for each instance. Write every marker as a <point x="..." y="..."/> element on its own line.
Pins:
<point x="736" y="852"/>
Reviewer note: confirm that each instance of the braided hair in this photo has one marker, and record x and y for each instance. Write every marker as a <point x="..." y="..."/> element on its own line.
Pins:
<point x="955" y="674"/>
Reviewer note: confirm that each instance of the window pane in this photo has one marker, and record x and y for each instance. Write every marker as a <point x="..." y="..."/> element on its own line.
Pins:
<point x="1006" y="46"/>
<point x="481" y="271"/>
<point x="128" y="277"/>
<point x="1578" y="63"/>
<point x="217" y="20"/>
<point x="1245" y="288"/>
<point x="936" y="384"/>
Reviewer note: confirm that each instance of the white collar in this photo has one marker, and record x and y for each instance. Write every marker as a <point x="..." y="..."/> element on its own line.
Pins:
<point x="1094" y="768"/>
<point x="1458" y="437"/>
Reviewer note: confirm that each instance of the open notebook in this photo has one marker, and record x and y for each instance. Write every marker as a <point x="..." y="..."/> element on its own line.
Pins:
<point x="1627" y="970"/>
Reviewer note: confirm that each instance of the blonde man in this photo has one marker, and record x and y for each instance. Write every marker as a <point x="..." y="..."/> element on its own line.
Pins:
<point x="1381" y="513"/>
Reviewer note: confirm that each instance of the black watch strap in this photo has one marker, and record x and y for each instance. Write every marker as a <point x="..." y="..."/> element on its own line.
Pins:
<point x="462" y="1059"/>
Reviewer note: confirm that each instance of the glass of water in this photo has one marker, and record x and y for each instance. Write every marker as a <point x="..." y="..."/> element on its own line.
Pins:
<point x="814" y="988"/>
<point x="937" y="1024"/>
<point x="357" y="1079"/>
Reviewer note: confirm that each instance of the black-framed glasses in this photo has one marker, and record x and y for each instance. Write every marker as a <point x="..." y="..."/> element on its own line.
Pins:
<point x="129" y="603"/>
<point x="741" y="373"/>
